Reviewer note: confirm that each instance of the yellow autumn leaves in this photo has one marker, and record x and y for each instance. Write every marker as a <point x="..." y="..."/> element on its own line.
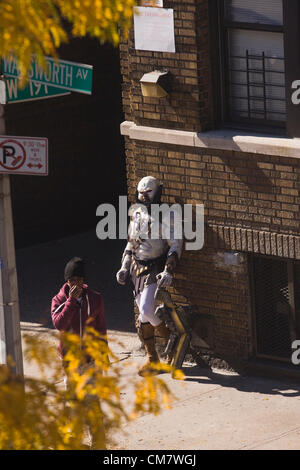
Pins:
<point x="98" y="18"/>
<point x="40" y="26"/>
<point x="41" y="414"/>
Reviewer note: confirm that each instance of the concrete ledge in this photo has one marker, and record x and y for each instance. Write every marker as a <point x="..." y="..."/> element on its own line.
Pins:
<point x="220" y="140"/>
<point x="153" y="134"/>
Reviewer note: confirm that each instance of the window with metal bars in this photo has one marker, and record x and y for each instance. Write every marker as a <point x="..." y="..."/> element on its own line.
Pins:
<point x="276" y="306"/>
<point x="253" y="62"/>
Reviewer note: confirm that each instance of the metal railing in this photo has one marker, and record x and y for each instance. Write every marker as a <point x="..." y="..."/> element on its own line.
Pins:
<point x="257" y="78"/>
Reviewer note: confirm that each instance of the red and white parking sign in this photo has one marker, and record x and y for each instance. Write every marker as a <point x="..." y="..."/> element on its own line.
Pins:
<point x="24" y="155"/>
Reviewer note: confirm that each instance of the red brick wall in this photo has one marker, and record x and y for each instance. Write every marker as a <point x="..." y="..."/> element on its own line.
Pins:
<point x="256" y="192"/>
<point x="189" y="105"/>
<point x="220" y="290"/>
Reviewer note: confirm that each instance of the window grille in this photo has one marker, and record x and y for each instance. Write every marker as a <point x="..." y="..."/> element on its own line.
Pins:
<point x="276" y="311"/>
<point x="256" y="87"/>
<point x="254" y="61"/>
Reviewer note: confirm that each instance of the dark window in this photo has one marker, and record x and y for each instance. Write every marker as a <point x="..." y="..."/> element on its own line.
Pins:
<point x="252" y="62"/>
<point x="276" y="306"/>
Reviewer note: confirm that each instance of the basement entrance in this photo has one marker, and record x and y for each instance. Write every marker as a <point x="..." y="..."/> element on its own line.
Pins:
<point x="276" y="306"/>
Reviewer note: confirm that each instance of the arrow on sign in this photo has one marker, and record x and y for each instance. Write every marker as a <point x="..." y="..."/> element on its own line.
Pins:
<point x="32" y="165"/>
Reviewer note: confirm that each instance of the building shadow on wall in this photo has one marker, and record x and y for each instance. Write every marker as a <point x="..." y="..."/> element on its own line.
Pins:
<point x="246" y="169"/>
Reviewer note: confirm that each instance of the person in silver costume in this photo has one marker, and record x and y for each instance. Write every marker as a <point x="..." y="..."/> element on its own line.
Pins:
<point x="150" y="261"/>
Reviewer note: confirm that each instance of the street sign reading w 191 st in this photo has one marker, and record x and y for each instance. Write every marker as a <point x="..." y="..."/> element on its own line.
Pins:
<point x="24" y="155"/>
<point x="32" y="91"/>
<point x="61" y="74"/>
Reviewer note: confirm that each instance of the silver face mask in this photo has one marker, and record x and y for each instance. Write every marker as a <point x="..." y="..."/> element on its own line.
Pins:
<point x="148" y="190"/>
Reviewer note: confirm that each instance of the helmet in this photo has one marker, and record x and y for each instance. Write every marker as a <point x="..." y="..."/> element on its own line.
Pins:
<point x="149" y="190"/>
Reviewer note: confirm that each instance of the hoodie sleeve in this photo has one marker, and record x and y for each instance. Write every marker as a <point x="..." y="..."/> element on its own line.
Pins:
<point x="63" y="311"/>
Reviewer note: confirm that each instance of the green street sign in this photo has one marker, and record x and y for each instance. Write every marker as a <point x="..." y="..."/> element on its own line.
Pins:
<point x="58" y="73"/>
<point x="32" y="91"/>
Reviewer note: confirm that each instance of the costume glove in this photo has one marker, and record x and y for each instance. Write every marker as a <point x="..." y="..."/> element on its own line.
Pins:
<point x="122" y="274"/>
<point x="164" y="279"/>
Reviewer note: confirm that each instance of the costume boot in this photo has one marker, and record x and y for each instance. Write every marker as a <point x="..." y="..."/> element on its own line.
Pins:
<point x="147" y="333"/>
<point x="162" y="335"/>
<point x="162" y="332"/>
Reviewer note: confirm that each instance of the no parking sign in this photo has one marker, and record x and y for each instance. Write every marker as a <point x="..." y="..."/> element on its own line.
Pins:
<point x="24" y="155"/>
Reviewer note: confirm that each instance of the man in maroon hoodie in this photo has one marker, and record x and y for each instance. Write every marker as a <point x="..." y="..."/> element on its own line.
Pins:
<point x="71" y="309"/>
<point x="75" y="304"/>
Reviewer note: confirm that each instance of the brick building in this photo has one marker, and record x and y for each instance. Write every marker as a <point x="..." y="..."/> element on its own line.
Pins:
<point x="226" y="136"/>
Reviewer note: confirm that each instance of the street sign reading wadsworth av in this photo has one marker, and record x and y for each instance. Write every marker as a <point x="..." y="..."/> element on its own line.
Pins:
<point x="61" y="74"/>
<point x="32" y="91"/>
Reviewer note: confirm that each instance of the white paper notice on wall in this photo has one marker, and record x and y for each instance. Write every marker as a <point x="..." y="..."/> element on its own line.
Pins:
<point x="152" y="3"/>
<point x="154" y="29"/>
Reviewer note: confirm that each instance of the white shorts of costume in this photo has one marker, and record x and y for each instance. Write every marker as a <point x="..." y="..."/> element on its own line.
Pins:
<point x="146" y="305"/>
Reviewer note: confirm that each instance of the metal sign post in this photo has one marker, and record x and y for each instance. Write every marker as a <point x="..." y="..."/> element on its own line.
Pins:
<point x="10" y="330"/>
<point x="2" y="322"/>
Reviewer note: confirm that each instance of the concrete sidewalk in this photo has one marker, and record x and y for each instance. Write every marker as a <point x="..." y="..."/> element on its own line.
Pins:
<point x="214" y="410"/>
